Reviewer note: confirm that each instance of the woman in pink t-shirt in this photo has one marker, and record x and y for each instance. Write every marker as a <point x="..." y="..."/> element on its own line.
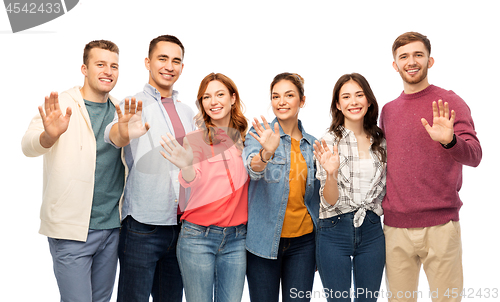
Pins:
<point x="211" y="247"/>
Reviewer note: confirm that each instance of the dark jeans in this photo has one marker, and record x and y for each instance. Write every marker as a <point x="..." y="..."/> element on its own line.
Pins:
<point x="294" y="267"/>
<point x="148" y="263"/>
<point x="343" y="249"/>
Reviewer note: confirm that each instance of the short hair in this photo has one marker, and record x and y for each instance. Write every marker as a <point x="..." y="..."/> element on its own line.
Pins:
<point x="102" y="44"/>
<point x="164" y="38"/>
<point x="410" y="37"/>
<point x="296" y="80"/>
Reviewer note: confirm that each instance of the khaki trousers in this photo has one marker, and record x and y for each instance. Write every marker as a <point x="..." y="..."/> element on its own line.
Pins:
<point x="438" y="248"/>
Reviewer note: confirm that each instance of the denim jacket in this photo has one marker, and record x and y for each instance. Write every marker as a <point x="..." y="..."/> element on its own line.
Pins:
<point x="269" y="189"/>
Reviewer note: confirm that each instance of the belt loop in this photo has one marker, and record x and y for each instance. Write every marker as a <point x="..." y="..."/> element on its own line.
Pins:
<point x="207" y="231"/>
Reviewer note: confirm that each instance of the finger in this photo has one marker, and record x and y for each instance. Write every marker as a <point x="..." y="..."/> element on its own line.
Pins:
<point x="452" y="119"/>
<point x="447" y="110"/>
<point x="165" y="155"/>
<point x="139" y="105"/>
<point x="173" y="140"/>
<point x="441" y="108"/>
<point x="276" y="128"/>
<point x="325" y="146"/>
<point x="264" y="121"/>
<point x="335" y="150"/>
<point x="166" y="144"/>
<point x="254" y="136"/>
<point x="53" y="101"/>
<point x="68" y="112"/>
<point x="42" y="114"/>
<point x="47" y="104"/>
<point x="185" y="143"/>
<point x="126" y="107"/>
<point x="118" y="111"/>
<point x="425" y="124"/>
<point x="258" y="127"/>
<point x="132" y="105"/>
<point x="435" y="112"/>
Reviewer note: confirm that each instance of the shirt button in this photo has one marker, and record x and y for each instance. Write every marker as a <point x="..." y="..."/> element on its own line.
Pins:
<point x="175" y="200"/>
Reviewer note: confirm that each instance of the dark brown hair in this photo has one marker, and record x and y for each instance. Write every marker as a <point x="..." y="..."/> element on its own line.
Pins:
<point x="164" y="38"/>
<point x="410" y="37"/>
<point x="296" y="80"/>
<point x="102" y="44"/>
<point x="238" y="120"/>
<point x="371" y="116"/>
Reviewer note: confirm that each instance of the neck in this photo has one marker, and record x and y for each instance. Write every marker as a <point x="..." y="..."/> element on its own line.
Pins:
<point x="356" y="128"/>
<point x="414" y="88"/>
<point x="90" y="95"/>
<point x="164" y="92"/>
<point x="291" y="127"/>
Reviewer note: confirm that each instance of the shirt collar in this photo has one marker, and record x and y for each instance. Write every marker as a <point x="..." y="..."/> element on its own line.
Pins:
<point x="156" y="94"/>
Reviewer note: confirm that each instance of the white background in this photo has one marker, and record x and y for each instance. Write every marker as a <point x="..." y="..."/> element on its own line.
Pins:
<point x="250" y="42"/>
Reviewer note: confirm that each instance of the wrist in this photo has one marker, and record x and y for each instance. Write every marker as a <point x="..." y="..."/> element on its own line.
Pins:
<point x="450" y="144"/>
<point x="265" y="156"/>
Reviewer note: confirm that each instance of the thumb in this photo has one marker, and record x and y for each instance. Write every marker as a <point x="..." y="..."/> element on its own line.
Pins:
<point x="68" y="112"/>
<point x="425" y="124"/>
<point x="185" y="143"/>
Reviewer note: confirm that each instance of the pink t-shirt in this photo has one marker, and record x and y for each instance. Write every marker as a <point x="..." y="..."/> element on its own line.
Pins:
<point x="219" y="192"/>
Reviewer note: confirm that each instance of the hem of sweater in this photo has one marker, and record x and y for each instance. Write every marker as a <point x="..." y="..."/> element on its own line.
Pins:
<point x="420" y="219"/>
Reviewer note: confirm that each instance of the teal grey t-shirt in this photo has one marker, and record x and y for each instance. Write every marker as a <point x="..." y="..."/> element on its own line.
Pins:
<point x="109" y="170"/>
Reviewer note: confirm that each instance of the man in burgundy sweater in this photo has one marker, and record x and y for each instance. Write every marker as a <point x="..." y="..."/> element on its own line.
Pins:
<point x="427" y="144"/>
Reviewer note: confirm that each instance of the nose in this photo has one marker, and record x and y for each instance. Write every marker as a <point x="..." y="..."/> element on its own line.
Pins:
<point x="281" y="101"/>
<point x="169" y="65"/>
<point x="108" y="70"/>
<point x="412" y="60"/>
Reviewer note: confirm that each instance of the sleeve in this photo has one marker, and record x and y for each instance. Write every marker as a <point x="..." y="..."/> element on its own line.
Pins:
<point x="467" y="150"/>
<point x="31" y="140"/>
<point x="252" y="147"/>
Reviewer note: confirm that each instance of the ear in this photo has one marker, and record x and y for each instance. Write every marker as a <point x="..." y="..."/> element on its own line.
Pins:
<point x="431" y="62"/>
<point x="303" y="101"/>
<point x="338" y="106"/>
<point x="395" y="66"/>
<point x="84" y="69"/>
<point x="233" y="99"/>
<point x="147" y="63"/>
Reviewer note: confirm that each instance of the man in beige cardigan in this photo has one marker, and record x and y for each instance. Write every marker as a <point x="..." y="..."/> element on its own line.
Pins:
<point x="83" y="178"/>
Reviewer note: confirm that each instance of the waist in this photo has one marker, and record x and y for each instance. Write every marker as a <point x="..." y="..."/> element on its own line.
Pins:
<point x="215" y="229"/>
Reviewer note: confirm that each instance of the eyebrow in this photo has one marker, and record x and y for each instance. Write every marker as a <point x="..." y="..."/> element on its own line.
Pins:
<point x="166" y="56"/>
<point x="288" y="91"/>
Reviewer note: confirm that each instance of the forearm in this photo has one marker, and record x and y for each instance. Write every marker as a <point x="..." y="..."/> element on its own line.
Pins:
<point x="116" y="138"/>
<point x="188" y="173"/>
<point x="46" y="141"/>
<point x="258" y="164"/>
<point x="331" y="189"/>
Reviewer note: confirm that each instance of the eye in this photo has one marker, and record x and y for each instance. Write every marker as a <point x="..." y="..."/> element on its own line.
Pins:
<point x="220" y="95"/>
<point x="206" y="97"/>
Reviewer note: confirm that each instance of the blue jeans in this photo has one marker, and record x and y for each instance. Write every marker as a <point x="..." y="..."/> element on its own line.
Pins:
<point x="342" y="249"/>
<point x="294" y="267"/>
<point x="213" y="262"/>
<point x="86" y="271"/>
<point x="148" y="263"/>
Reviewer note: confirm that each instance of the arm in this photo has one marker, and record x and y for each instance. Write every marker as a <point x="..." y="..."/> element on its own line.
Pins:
<point x="458" y="136"/>
<point x="329" y="161"/>
<point x="129" y="125"/>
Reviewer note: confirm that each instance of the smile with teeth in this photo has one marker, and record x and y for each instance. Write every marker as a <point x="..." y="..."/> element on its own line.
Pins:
<point x="355" y="110"/>
<point x="283" y="109"/>
<point x="168" y="76"/>
<point x="216" y="109"/>
<point x="106" y="80"/>
<point x="413" y="71"/>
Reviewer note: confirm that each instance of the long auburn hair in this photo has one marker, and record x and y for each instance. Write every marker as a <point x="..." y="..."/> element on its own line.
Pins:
<point x="238" y="120"/>
<point x="370" y="119"/>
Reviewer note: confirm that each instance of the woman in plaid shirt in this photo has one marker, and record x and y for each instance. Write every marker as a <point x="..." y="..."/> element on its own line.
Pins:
<point x="352" y="171"/>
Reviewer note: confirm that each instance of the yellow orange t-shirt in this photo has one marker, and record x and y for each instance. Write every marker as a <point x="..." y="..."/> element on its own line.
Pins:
<point x="297" y="220"/>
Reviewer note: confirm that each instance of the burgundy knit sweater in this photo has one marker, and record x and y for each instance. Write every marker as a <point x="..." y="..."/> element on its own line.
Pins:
<point x="423" y="178"/>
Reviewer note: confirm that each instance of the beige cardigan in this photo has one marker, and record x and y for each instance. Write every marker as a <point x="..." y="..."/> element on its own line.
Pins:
<point x="68" y="171"/>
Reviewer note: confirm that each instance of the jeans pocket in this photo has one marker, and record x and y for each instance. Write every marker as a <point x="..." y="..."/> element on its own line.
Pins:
<point x="372" y="217"/>
<point x="188" y="231"/>
<point x="135" y="226"/>
<point x="328" y="222"/>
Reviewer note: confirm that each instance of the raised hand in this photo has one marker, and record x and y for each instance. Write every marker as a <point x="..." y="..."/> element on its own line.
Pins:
<point x="329" y="160"/>
<point x="442" y="123"/>
<point x="268" y="139"/>
<point x="130" y="121"/>
<point x="181" y="156"/>
<point x="54" y="122"/>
